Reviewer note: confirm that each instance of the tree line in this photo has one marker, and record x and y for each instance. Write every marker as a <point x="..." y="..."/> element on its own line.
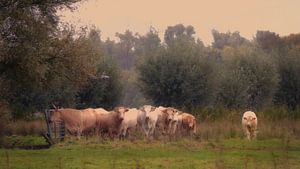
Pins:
<point x="233" y="72"/>
<point x="45" y="62"/>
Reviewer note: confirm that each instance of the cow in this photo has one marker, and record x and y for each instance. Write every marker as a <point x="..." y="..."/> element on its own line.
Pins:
<point x="132" y="119"/>
<point x="166" y="119"/>
<point x="110" y="122"/>
<point x="249" y="124"/>
<point x="159" y="119"/>
<point x="186" y="123"/>
<point x="101" y="111"/>
<point x="175" y="122"/>
<point x="144" y="121"/>
<point x="77" y="122"/>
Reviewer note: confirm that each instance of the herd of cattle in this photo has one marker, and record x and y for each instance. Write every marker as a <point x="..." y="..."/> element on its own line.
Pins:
<point x="122" y="121"/>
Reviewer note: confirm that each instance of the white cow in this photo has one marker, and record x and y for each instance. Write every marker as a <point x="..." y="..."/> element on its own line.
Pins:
<point x="160" y="119"/>
<point x="143" y="119"/>
<point x="176" y="123"/>
<point x="132" y="118"/>
<point x="150" y="119"/>
<point x="249" y="123"/>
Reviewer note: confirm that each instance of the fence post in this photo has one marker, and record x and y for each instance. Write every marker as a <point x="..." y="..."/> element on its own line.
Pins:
<point x="48" y="135"/>
<point x="62" y="130"/>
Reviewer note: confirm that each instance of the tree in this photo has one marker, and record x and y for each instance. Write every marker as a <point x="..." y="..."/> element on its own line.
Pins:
<point x="248" y="78"/>
<point x="104" y="90"/>
<point x="125" y="49"/>
<point x="289" y="85"/>
<point x="222" y="40"/>
<point x="39" y="64"/>
<point x="149" y="44"/>
<point x="179" y="34"/>
<point x="269" y="41"/>
<point x="285" y="51"/>
<point x="181" y="73"/>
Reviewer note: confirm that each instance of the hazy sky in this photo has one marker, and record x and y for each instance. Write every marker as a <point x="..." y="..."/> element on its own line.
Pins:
<point x="245" y="16"/>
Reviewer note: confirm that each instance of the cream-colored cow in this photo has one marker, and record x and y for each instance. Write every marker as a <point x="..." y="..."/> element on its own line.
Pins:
<point x="249" y="123"/>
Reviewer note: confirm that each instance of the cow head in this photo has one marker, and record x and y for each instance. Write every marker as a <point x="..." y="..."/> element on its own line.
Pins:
<point x="171" y="114"/>
<point x="249" y="120"/>
<point x="147" y="109"/>
<point x="121" y="112"/>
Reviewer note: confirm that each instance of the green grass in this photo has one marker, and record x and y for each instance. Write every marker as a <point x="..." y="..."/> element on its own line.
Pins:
<point x="182" y="154"/>
<point x="15" y="141"/>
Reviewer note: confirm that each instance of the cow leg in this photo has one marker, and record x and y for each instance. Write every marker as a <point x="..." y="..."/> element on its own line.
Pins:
<point x="122" y="134"/>
<point x="248" y="135"/>
<point x="253" y="133"/>
<point x="78" y="133"/>
<point x="152" y="132"/>
<point x="110" y="134"/>
<point x="146" y="132"/>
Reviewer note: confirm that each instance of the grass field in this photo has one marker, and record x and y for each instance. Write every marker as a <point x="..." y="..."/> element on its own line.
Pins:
<point x="184" y="153"/>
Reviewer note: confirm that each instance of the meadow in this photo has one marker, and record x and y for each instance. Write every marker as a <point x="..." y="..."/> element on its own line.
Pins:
<point x="219" y="143"/>
<point x="183" y="153"/>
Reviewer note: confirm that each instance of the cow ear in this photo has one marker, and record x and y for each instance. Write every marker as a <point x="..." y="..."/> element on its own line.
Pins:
<point x="116" y="109"/>
<point x="165" y="110"/>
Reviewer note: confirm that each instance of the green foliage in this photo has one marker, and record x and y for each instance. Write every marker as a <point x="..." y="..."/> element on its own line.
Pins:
<point x="149" y="44"/>
<point x="39" y="63"/>
<point x="104" y="90"/>
<point x="249" y="78"/>
<point x="181" y="74"/>
<point x="289" y="85"/>
<point x="222" y="40"/>
<point x="125" y="49"/>
<point x="128" y="52"/>
<point x="269" y="41"/>
<point x="42" y="63"/>
<point x="285" y="51"/>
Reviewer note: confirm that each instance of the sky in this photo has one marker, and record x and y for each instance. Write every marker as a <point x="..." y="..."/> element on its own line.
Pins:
<point x="245" y="16"/>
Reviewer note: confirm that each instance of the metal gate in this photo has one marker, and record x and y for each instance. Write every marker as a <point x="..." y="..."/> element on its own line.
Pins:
<point x="55" y="130"/>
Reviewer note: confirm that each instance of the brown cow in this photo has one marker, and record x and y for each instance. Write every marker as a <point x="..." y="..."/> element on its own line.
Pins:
<point x="187" y="123"/>
<point x="77" y="122"/>
<point x="110" y="123"/>
<point x="165" y="119"/>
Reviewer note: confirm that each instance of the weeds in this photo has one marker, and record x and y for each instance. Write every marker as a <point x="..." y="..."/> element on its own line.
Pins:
<point x="7" y="160"/>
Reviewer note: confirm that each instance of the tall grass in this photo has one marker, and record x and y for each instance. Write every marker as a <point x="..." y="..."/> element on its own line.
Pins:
<point x="22" y="127"/>
<point x="213" y="124"/>
<point x="273" y="122"/>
